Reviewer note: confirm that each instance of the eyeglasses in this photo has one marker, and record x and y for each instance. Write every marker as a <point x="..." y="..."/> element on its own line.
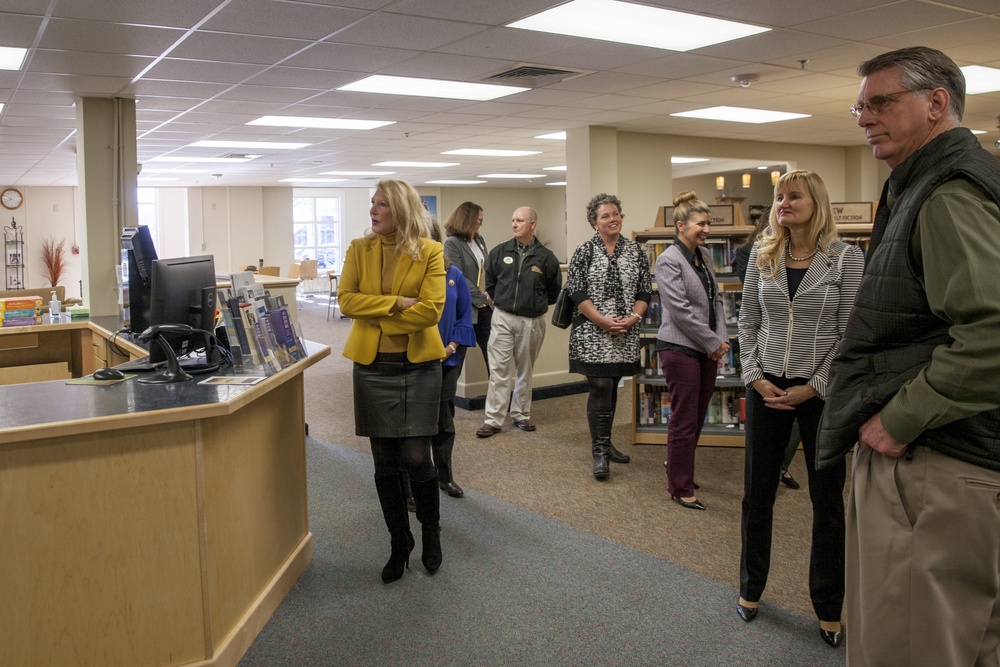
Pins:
<point x="876" y="104"/>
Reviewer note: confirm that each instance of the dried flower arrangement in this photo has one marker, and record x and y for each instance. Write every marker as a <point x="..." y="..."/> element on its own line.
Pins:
<point x="54" y="260"/>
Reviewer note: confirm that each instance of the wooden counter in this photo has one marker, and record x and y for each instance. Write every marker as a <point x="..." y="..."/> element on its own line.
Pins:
<point x="149" y="525"/>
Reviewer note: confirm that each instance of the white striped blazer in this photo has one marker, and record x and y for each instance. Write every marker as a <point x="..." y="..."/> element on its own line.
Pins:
<point x="798" y="338"/>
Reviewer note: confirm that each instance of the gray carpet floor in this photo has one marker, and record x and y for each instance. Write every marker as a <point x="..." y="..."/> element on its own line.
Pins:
<point x="516" y="588"/>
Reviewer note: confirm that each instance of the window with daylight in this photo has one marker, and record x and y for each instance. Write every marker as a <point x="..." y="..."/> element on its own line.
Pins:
<point x="316" y="229"/>
<point x="149" y="213"/>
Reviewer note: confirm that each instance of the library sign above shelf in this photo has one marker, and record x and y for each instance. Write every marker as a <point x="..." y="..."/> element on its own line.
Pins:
<point x="853" y="213"/>
<point x="722" y="215"/>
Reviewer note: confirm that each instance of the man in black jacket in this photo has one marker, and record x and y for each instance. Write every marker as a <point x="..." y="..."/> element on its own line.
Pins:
<point x="915" y="381"/>
<point x="523" y="278"/>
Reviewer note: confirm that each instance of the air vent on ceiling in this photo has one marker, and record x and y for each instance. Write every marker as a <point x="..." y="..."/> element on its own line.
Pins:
<point x="533" y="76"/>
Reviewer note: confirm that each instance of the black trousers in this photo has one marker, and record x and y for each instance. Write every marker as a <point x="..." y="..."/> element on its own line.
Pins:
<point x="482" y="328"/>
<point x="767" y="436"/>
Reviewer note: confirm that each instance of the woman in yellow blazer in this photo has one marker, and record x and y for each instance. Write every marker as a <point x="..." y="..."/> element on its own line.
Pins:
<point x="393" y="287"/>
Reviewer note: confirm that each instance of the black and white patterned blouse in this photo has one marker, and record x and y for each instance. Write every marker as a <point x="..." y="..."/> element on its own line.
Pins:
<point x="613" y="283"/>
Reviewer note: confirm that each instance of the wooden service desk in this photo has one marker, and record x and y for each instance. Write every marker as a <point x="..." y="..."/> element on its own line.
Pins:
<point x="149" y="525"/>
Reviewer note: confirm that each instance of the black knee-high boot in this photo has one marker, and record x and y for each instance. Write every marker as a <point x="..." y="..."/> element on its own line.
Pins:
<point x="425" y="494"/>
<point x="390" y="497"/>
<point x="600" y="436"/>
<point x="442" y="445"/>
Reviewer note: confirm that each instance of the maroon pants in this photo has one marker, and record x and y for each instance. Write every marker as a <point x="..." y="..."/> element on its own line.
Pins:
<point x="690" y="382"/>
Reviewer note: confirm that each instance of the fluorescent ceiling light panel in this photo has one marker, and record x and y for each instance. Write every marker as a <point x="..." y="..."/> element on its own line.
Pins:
<point x="358" y="173"/>
<point x="511" y="176"/>
<point x="561" y="168"/>
<point x="156" y="179"/>
<point x="554" y="136"/>
<point x="624" y="22"/>
<point x="12" y="57"/>
<point x="979" y="79"/>
<point x="453" y="90"/>
<point x="224" y="160"/>
<point x="490" y="152"/>
<point x="160" y="170"/>
<point x="557" y="183"/>
<point x="321" y="123"/>
<point x="403" y="163"/>
<point x="740" y="115"/>
<point x="276" y="145"/>
<point x="447" y="182"/>
<point x="312" y="180"/>
<point x="978" y="131"/>
<point x="686" y="160"/>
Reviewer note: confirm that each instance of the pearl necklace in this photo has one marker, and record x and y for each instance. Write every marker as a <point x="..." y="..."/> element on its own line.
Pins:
<point x="801" y="259"/>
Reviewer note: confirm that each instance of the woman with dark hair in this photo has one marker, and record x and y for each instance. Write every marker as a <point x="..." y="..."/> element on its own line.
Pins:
<point x="466" y="249"/>
<point x="799" y="291"/>
<point x="393" y="287"/>
<point x="608" y="280"/>
<point x="691" y="340"/>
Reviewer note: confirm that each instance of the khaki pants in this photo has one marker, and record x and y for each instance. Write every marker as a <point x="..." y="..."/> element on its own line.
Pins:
<point x="923" y="562"/>
<point x="513" y="348"/>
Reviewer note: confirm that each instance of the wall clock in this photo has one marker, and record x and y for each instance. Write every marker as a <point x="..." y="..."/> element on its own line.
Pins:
<point x="11" y="198"/>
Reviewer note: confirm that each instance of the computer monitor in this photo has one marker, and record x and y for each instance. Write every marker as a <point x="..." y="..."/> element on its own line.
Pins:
<point x="141" y="255"/>
<point x="183" y="294"/>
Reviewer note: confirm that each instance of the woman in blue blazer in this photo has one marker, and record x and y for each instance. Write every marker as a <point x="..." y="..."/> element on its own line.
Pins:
<point x="799" y="291"/>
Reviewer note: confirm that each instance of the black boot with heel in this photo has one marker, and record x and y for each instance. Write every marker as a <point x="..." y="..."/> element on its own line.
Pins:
<point x="390" y="497"/>
<point x="442" y="446"/>
<point x="428" y="501"/>
<point x="600" y="436"/>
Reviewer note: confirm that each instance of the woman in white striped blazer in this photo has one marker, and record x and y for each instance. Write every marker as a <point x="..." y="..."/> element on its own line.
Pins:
<point x="799" y="290"/>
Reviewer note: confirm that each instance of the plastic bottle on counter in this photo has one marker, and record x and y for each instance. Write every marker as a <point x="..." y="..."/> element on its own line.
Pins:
<point x="55" y="307"/>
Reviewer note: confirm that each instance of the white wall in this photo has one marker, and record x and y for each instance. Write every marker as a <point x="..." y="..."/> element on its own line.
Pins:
<point x="48" y="213"/>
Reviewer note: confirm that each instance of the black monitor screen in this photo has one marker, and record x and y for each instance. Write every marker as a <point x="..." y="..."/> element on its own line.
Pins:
<point x="183" y="292"/>
<point x="141" y="254"/>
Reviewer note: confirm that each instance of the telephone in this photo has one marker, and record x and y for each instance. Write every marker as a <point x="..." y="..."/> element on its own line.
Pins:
<point x="154" y="331"/>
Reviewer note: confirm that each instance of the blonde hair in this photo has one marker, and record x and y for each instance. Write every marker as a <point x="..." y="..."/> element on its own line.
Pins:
<point x="409" y="215"/>
<point x="775" y="238"/>
<point x="687" y="204"/>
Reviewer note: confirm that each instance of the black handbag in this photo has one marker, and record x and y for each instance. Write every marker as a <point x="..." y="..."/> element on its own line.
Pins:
<point x="562" y="312"/>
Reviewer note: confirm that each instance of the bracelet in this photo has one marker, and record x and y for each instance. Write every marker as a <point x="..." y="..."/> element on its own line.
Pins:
<point x="451" y="346"/>
<point x="636" y="315"/>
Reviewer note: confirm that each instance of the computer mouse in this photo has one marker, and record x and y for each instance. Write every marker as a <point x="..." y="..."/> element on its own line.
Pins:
<point x="108" y="374"/>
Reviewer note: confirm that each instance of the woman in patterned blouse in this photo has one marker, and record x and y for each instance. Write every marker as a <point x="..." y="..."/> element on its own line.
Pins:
<point x="609" y="281"/>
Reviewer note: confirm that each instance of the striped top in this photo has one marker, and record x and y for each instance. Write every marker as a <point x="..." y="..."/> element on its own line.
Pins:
<point x="798" y="337"/>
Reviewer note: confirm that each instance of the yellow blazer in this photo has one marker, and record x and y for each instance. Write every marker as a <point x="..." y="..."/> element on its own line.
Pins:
<point x="360" y="297"/>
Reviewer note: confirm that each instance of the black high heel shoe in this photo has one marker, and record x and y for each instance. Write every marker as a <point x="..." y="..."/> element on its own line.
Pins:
<point x="746" y="613"/>
<point x="832" y="637"/>
<point x="400" y="557"/>
<point x="693" y="505"/>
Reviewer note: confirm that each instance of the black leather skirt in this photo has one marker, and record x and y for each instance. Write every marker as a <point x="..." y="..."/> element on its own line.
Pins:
<point x="394" y="398"/>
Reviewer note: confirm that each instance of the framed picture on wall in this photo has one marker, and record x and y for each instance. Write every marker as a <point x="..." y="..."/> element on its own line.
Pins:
<point x="431" y="202"/>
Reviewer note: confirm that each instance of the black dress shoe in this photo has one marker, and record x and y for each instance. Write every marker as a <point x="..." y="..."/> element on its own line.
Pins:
<point x="789" y="481"/>
<point x="746" y="613"/>
<point x="452" y="489"/>
<point x="832" y="637"/>
<point x="693" y="505"/>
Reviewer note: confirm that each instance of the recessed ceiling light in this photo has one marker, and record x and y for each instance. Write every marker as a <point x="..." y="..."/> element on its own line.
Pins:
<point x="406" y="85"/>
<point x="555" y="136"/>
<point x="557" y="183"/>
<point x="447" y="182"/>
<point x="686" y="160"/>
<point x="12" y="57"/>
<point x="763" y="167"/>
<point x="176" y="158"/>
<point x="312" y="180"/>
<point x="979" y="79"/>
<point x="159" y="170"/>
<point x="276" y="145"/>
<point x="403" y="163"/>
<point x="321" y="123"/>
<point x="624" y="22"/>
<point x="560" y="168"/>
<point x="740" y="115"/>
<point x="511" y="176"/>
<point x="490" y="152"/>
<point x="359" y="173"/>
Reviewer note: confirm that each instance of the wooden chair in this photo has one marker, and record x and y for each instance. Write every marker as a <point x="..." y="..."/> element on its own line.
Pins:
<point x="293" y="270"/>
<point x="308" y="270"/>
<point x="269" y="271"/>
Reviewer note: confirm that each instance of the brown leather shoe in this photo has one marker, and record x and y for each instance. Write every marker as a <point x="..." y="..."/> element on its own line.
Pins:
<point x="486" y="430"/>
<point x="525" y="425"/>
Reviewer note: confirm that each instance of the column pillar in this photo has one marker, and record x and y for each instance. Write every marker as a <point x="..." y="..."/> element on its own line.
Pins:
<point x="107" y="170"/>
<point x="591" y="168"/>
